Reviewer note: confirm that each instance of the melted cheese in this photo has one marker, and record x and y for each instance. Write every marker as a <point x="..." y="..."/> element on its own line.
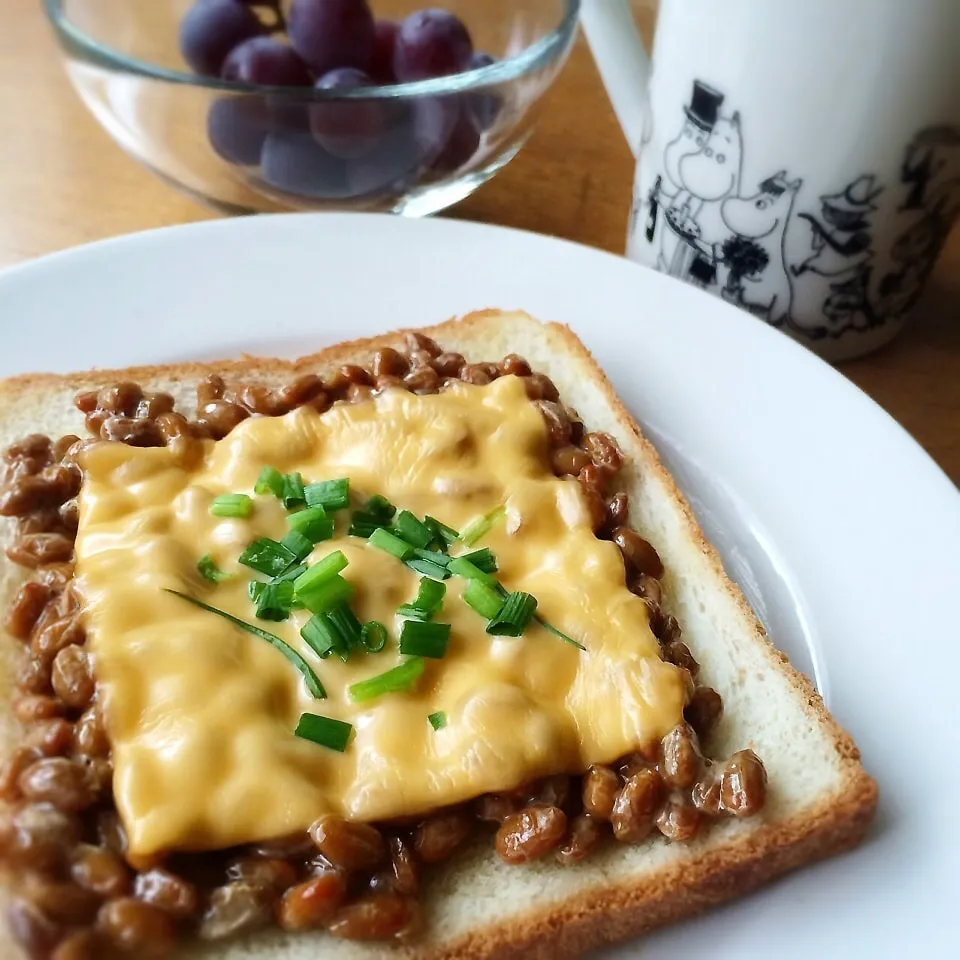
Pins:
<point x="201" y="714"/>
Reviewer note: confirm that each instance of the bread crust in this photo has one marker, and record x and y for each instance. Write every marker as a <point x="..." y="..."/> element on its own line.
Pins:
<point x="604" y="912"/>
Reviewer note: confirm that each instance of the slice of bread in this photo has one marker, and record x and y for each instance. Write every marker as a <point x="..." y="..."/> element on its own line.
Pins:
<point x="820" y="799"/>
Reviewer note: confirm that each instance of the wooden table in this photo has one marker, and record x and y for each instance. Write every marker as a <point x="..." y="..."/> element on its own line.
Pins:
<point x="64" y="182"/>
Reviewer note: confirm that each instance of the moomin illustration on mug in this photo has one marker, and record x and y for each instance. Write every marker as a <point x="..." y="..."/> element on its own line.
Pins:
<point x="810" y="260"/>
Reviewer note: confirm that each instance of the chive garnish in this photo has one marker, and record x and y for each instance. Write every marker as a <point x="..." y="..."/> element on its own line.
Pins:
<point x="398" y="680"/>
<point x="267" y="556"/>
<point x="409" y="528"/>
<point x="380" y="508"/>
<point x="428" y="601"/>
<point x="434" y="556"/>
<point x="325" y="731"/>
<point x="293" y="494"/>
<point x="424" y="639"/>
<point x="321" y="637"/>
<point x="438" y="720"/>
<point x="483" y="560"/>
<point x="325" y="595"/>
<point x="445" y="536"/>
<point x="517" y="611"/>
<point x="487" y="602"/>
<point x="383" y="539"/>
<point x="300" y="546"/>
<point x="320" y="571"/>
<point x="480" y="526"/>
<point x="363" y="525"/>
<point x="373" y="636"/>
<point x="345" y="622"/>
<point x="210" y="571"/>
<point x="309" y="677"/>
<point x="269" y="481"/>
<point x="231" y="505"/>
<point x="428" y="569"/>
<point x="330" y="494"/>
<point x="254" y="589"/>
<point x="462" y="567"/>
<point x="559" y="633"/>
<point x="274" y="600"/>
<point x="292" y="573"/>
<point x="314" y="523"/>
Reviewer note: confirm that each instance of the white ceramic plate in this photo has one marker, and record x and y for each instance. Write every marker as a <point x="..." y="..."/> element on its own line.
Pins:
<point x="843" y="533"/>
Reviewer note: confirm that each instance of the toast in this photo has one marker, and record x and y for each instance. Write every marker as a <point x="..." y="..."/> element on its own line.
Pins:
<point x="820" y="800"/>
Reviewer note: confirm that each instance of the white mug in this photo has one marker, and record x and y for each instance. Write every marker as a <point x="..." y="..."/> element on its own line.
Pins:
<point x="799" y="158"/>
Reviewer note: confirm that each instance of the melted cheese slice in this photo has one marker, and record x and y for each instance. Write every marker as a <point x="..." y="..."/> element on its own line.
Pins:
<point x="201" y="714"/>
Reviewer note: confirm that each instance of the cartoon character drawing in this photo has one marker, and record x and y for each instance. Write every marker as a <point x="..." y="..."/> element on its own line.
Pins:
<point x="758" y="279"/>
<point x="931" y="169"/>
<point x="701" y="167"/>
<point x="841" y="239"/>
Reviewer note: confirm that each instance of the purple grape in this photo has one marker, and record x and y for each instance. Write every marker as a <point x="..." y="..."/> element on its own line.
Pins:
<point x="346" y="128"/>
<point x="381" y="62"/>
<point x="265" y="61"/>
<point x="237" y="128"/>
<point x="485" y="106"/>
<point x="431" y="43"/>
<point x="462" y="144"/>
<point x="211" y="29"/>
<point x="331" y="33"/>
<point x="295" y="163"/>
<point x="390" y="168"/>
<point x="434" y="119"/>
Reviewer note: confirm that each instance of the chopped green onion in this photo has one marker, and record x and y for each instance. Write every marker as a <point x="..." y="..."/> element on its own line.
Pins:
<point x="429" y="599"/>
<point x="464" y="568"/>
<point x="424" y="639"/>
<point x="300" y="546"/>
<point x="428" y="569"/>
<point x="314" y="523"/>
<point x="325" y="731"/>
<point x="483" y="560"/>
<point x="275" y="600"/>
<point x="373" y="636"/>
<point x="443" y="534"/>
<point x="516" y="613"/>
<point x="409" y="528"/>
<point x="325" y="595"/>
<point x="309" y="677"/>
<point x="486" y="601"/>
<point x="210" y="571"/>
<point x="480" y="526"/>
<point x="318" y="572"/>
<point x="330" y="494"/>
<point x="382" y="539"/>
<point x="292" y="574"/>
<point x="267" y="556"/>
<point x="293" y="494"/>
<point x="559" y="633"/>
<point x="438" y="720"/>
<point x="398" y="680"/>
<point x="380" y="508"/>
<point x="254" y="589"/>
<point x="363" y="524"/>
<point x="270" y="481"/>
<point x="345" y="622"/>
<point x="322" y="638"/>
<point x="441" y="559"/>
<point x="231" y="505"/>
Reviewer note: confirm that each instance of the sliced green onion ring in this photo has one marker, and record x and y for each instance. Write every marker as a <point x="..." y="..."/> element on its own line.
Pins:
<point x="479" y="527"/>
<point x="332" y="495"/>
<point x="437" y="720"/>
<point x="373" y="636"/>
<point x="231" y="505"/>
<point x="210" y="571"/>
<point x="267" y="556"/>
<point x="424" y="639"/>
<point x="270" y="481"/>
<point x="517" y="611"/>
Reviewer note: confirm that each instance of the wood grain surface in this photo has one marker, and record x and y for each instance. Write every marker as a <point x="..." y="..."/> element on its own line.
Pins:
<point x="63" y="181"/>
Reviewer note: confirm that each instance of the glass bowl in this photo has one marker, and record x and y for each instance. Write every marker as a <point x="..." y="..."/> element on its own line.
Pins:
<point x="411" y="148"/>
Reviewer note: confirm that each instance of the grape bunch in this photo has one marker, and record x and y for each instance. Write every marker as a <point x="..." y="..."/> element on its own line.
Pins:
<point x="349" y="147"/>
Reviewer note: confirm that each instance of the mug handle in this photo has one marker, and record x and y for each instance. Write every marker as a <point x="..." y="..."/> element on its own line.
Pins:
<point x="623" y="62"/>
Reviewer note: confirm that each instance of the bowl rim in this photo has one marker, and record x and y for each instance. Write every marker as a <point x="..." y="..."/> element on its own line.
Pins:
<point x="550" y="47"/>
